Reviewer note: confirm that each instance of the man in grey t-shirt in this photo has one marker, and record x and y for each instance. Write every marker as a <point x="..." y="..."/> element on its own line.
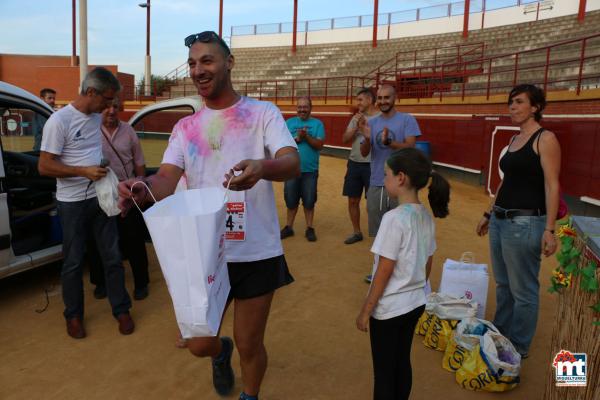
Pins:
<point x="72" y="152"/>
<point x="359" y="169"/>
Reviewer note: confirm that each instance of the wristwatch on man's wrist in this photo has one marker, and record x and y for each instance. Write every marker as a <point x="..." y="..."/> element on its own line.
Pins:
<point x="387" y="141"/>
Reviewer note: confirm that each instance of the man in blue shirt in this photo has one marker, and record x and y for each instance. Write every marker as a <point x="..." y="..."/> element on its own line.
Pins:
<point x="390" y="131"/>
<point x="310" y="136"/>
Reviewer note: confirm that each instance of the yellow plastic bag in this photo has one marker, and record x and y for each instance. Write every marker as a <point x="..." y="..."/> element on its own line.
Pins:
<point x="454" y="356"/>
<point x="439" y="333"/>
<point x="423" y="323"/>
<point x="465" y="337"/>
<point x="490" y="370"/>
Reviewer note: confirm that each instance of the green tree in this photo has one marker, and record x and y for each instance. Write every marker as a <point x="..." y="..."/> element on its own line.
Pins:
<point x="158" y="85"/>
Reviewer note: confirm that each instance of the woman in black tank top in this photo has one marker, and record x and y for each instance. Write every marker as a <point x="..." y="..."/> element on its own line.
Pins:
<point x="521" y="219"/>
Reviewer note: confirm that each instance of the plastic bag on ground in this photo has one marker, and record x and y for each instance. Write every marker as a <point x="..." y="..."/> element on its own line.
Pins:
<point x="466" y="279"/>
<point x="493" y="366"/>
<point x="464" y="339"/>
<point x="447" y="315"/>
<point x="427" y="316"/>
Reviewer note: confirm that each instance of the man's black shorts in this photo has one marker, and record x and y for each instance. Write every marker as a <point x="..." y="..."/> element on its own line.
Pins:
<point x="256" y="278"/>
<point x="357" y="177"/>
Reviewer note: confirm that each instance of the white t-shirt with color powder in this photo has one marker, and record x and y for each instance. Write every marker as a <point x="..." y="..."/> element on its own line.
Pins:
<point x="76" y="139"/>
<point x="406" y="235"/>
<point x="207" y="144"/>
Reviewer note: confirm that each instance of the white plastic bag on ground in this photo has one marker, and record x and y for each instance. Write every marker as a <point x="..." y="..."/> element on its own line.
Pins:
<point x="446" y="316"/>
<point x="469" y="331"/>
<point x="492" y="366"/>
<point x="501" y="357"/>
<point x="465" y="338"/>
<point x="455" y="309"/>
<point x="466" y="279"/>
<point x="427" y="317"/>
<point x="188" y="233"/>
<point x="108" y="193"/>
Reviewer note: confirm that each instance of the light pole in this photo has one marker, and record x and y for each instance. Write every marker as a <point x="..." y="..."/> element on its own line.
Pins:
<point x="83" y="50"/>
<point x="147" y="74"/>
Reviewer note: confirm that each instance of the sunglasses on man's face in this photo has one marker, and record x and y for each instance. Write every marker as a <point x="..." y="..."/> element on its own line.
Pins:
<point x="206" y="37"/>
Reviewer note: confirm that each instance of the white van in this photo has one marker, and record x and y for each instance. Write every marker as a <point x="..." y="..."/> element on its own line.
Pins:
<point x="30" y="233"/>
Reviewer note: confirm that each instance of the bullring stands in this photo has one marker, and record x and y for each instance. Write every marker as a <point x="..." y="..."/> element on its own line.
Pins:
<point x="487" y="58"/>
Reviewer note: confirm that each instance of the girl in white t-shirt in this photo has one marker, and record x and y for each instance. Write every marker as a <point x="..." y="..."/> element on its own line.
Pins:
<point x="403" y="249"/>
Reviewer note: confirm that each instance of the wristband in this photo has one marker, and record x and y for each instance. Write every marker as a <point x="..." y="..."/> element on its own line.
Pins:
<point x="387" y="141"/>
<point x="487" y="215"/>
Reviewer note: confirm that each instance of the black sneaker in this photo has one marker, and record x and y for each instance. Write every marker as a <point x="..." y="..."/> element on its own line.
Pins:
<point x="223" y="378"/>
<point x="140" y="293"/>
<point x="356" y="237"/>
<point x="100" y="292"/>
<point x="286" y="232"/>
<point x="310" y="234"/>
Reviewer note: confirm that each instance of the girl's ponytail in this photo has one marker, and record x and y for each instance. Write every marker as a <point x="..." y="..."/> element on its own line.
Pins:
<point x="439" y="195"/>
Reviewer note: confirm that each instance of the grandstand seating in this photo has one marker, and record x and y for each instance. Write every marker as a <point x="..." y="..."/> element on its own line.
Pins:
<point x="270" y="64"/>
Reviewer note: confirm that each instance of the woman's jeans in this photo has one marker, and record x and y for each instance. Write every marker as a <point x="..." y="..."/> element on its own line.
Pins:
<point x="515" y="245"/>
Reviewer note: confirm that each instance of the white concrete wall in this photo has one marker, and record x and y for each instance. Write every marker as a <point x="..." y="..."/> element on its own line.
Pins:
<point x="494" y="18"/>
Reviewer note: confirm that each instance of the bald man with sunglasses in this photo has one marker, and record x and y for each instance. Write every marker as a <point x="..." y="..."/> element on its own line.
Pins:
<point x="246" y="141"/>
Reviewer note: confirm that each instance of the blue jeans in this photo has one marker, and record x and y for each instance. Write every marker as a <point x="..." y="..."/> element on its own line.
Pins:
<point x="515" y="245"/>
<point x="79" y="218"/>
<point x="304" y="187"/>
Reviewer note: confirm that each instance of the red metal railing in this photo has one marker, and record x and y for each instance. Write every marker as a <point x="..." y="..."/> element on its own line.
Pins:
<point x="571" y="65"/>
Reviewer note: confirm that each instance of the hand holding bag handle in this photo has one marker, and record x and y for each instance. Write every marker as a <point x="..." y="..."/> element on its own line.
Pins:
<point x="225" y="197"/>
<point x="147" y="188"/>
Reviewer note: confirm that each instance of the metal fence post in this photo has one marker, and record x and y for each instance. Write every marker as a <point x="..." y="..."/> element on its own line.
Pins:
<point x="516" y="68"/>
<point x="546" y="69"/>
<point x="583" y="43"/>
<point x="487" y="96"/>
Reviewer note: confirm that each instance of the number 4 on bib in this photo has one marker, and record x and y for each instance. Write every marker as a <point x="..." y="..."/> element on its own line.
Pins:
<point x="235" y="223"/>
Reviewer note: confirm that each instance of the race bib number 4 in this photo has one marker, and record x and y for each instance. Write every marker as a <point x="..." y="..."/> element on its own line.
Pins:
<point x="235" y="224"/>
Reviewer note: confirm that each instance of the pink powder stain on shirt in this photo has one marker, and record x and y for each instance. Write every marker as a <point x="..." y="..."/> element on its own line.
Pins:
<point x="195" y="140"/>
<point x="238" y="120"/>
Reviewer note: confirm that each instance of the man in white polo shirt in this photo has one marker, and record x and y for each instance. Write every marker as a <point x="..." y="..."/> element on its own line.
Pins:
<point x="72" y="152"/>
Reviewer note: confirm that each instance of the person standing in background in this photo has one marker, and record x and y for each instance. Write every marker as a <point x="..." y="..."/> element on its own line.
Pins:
<point x="121" y="148"/>
<point x="358" y="171"/>
<point x="309" y="133"/>
<point x="49" y="97"/>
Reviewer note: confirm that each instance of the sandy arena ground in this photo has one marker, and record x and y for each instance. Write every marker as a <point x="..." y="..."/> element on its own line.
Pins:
<point x="315" y="350"/>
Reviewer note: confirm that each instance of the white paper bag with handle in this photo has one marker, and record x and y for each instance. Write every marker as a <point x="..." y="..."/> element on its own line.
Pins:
<point x="466" y="279"/>
<point x="188" y="233"/>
